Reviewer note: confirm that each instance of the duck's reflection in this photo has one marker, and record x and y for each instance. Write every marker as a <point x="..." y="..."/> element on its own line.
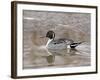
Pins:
<point x="50" y="59"/>
<point x="61" y="53"/>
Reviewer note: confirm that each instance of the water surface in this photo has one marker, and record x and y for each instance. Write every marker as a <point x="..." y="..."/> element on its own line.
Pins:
<point x="40" y="57"/>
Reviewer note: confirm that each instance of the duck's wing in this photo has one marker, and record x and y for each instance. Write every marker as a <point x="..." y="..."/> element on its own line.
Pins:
<point x="69" y="41"/>
<point x="57" y="41"/>
<point x="62" y="40"/>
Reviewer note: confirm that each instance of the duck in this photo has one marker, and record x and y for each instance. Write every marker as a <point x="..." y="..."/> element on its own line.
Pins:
<point x="61" y="43"/>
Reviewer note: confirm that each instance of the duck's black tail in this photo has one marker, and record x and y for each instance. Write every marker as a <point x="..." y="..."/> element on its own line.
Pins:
<point x="73" y="45"/>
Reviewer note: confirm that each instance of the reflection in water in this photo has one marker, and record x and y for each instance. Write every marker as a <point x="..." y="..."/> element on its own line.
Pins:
<point x="50" y="59"/>
<point x="41" y="58"/>
<point x="61" y="53"/>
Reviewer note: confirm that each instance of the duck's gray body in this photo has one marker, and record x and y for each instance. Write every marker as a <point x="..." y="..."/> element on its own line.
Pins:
<point x="59" y="43"/>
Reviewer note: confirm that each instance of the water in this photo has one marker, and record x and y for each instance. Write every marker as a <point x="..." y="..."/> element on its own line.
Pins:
<point x="40" y="57"/>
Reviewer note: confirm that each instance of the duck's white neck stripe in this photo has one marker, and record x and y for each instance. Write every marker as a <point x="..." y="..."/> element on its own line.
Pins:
<point x="48" y="42"/>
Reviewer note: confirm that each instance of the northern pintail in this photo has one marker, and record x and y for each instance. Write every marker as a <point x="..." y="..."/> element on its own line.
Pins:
<point x="61" y="43"/>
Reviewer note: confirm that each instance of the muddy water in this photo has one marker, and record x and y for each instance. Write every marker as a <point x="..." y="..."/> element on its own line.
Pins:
<point x="40" y="57"/>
